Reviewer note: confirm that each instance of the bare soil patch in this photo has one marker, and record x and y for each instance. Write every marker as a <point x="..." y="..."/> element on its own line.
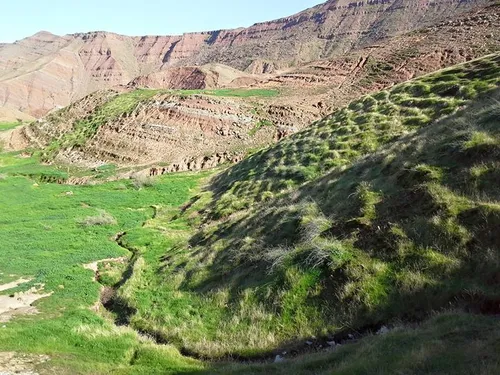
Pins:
<point x="21" y="364"/>
<point x="20" y="303"/>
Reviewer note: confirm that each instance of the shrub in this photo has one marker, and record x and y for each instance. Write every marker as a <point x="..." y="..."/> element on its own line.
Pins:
<point x="139" y="181"/>
<point x="103" y="218"/>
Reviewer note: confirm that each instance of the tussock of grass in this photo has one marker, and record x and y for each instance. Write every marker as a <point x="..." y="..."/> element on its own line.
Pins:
<point x="103" y="218"/>
<point x="139" y="181"/>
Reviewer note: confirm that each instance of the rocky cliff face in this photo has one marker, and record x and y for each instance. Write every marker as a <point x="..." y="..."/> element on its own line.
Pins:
<point x="185" y="132"/>
<point x="210" y="76"/>
<point x="45" y="71"/>
<point x="337" y="81"/>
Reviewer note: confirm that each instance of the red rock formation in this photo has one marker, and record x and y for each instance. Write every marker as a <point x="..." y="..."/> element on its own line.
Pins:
<point x="45" y="71"/>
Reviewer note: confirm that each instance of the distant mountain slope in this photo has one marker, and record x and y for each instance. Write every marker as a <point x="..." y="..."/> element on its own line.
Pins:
<point x="338" y="80"/>
<point x="44" y="71"/>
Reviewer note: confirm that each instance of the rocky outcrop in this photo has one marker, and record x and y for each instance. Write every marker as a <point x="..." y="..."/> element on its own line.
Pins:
<point x="195" y="77"/>
<point x="336" y="81"/>
<point x="44" y="71"/>
<point x="184" y="132"/>
<point x="204" y="162"/>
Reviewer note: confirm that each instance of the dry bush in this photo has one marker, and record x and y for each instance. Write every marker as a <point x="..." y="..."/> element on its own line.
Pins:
<point x="103" y="218"/>
<point x="139" y="181"/>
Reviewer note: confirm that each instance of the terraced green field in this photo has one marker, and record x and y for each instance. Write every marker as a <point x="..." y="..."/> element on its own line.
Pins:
<point x="8" y="125"/>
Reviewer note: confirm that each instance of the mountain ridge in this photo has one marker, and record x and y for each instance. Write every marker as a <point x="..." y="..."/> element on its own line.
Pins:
<point x="44" y="71"/>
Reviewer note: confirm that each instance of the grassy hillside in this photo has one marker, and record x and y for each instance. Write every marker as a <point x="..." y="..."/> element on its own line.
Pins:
<point x="386" y="210"/>
<point x="384" y="213"/>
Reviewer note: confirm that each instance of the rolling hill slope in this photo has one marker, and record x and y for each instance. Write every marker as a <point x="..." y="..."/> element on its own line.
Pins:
<point x="386" y="210"/>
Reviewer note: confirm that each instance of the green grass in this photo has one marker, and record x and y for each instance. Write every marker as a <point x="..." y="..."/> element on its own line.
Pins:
<point x="385" y="212"/>
<point x="240" y="93"/>
<point x="448" y="344"/>
<point x="259" y="125"/>
<point x="366" y="217"/>
<point x="42" y="237"/>
<point x="9" y="125"/>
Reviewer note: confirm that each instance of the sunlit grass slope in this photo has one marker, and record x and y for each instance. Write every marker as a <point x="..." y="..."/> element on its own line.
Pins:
<point x="386" y="210"/>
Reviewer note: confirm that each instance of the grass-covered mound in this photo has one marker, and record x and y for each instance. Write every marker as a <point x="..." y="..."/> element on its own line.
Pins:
<point x="386" y="210"/>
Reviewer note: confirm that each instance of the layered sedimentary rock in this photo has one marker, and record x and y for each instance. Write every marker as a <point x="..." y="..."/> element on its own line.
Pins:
<point x="344" y="78"/>
<point x="45" y="71"/>
<point x="187" y="132"/>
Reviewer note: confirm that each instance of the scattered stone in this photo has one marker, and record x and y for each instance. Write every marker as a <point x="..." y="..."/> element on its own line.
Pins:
<point x="309" y="343"/>
<point x="279" y="359"/>
<point x="351" y="336"/>
<point x="383" y="330"/>
<point x="331" y="343"/>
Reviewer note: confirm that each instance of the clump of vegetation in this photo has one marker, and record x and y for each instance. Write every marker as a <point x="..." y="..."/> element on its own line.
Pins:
<point x="140" y="181"/>
<point x="103" y="218"/>
<point x="259" y="125"/>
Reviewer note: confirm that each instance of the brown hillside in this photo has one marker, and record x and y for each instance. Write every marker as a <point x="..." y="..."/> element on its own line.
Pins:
<point x="45" y="71"/>
<point x="195" y="77"/>
<point x="181" y="130"/>
<point x="337" y="81"/>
